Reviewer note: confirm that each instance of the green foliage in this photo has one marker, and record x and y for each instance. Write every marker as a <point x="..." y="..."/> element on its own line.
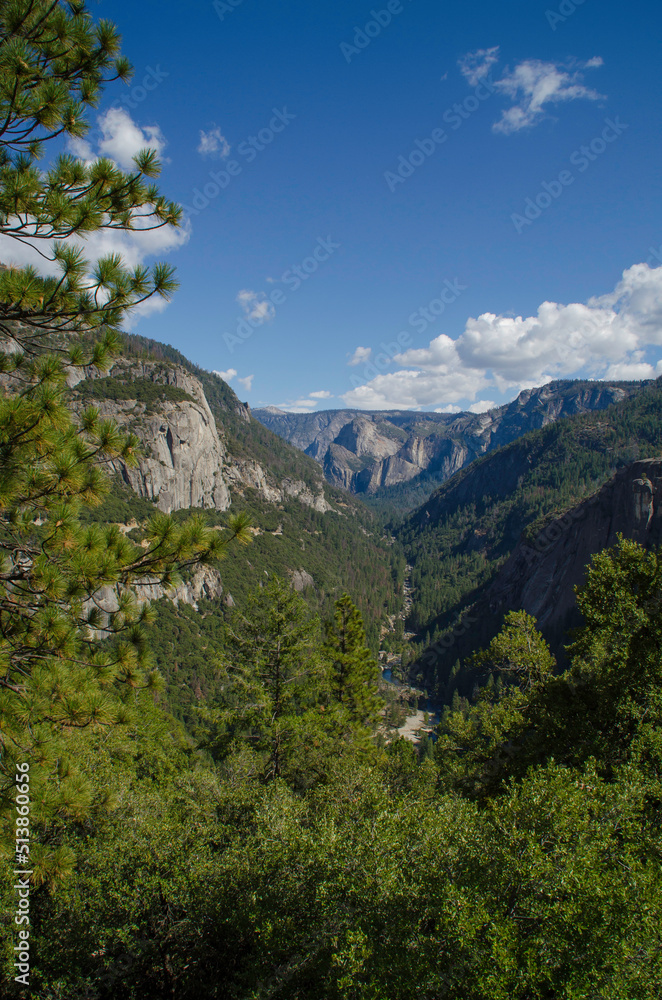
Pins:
<point x="271" y="676"/>
<point x="606" y="708"/>
<point x="73" y="651"/>
<point x="379" y="876"/>
<point x="462" y="536"/>
<point x="141" y="389"/>
<point x="54" y="62"/>
<point x="286" y="859"/>
<point x="354" y="671"/>
<point x="519" y="652"/>
<point x="119" y="505"/>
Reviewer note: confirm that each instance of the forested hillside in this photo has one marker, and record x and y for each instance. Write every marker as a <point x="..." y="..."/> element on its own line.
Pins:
<point x="208" y="789"/>
<point x="339" y="547"/>
<point x="468" y="528"/>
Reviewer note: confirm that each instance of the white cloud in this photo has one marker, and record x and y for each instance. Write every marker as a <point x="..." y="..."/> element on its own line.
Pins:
<point x="135" y="247"/>
<point x="475" y="66"/>
<point x="121" y="138"/>
<point x="256" y="306"/>
<point x="411" y="390"/>
<point x="213" y="143"/>
<point x="360" y="355"/>
<point x="451" y="408"/>
<point x="246" y="382"/>
<point x="306" y="404"/>
<point x="534" y="84"/>
<point x="298" y="406"/>
<point x="607" y="337"/>
<point x="482" y="406"/>
<point x="634" y="372"/>
<point x="228" y="375"/>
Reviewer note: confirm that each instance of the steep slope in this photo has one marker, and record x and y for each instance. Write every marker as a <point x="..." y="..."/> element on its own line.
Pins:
<point x="183" y="455"/>
<point x="202" y="450"/>
<point x="541" y="574"/>
<point x="399" y="457"/>
<point x="459" y="540"/>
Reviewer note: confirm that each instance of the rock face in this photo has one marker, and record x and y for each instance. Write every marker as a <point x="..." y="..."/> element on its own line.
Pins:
<point x="185" y="461"/>
<point x="182" y="464"/>
<point x="205" y="583"/>
<point x="541" y="574"/>
<point x="363" y="452"/>
<point x="540" y="577"/>
<point x="301" y="579"/>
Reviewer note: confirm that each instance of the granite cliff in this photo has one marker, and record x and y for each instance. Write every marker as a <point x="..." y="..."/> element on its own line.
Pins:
<point x="372" y="452"/>
<point x="185" y="461"/>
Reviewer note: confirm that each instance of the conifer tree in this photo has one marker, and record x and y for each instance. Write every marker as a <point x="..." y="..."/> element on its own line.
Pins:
<point x="272" y="674"/>
<point x="72" y="651"/>
<point x="354" y="670"/>
<point x="54" y="62"/>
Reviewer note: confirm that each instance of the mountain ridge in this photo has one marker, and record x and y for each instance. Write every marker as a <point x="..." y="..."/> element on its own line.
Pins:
<point x="385" y="453"/>
<point x="460" y="539"/>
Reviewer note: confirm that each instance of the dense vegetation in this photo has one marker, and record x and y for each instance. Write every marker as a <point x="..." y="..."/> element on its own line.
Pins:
<point x="521" y="861"/>
<point x="338" y="552"/>
<point x="277" y="844"/>
<point x="458" y="540"/>
<point x="141" y="390"/>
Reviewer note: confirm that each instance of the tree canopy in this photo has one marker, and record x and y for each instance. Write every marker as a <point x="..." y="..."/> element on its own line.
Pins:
<point x="72" y="649"/>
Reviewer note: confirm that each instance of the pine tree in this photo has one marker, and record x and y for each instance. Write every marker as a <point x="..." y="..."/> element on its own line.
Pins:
<point x="272" y="674"/>
<point x="72" y="650"/>
<point x="54" y="62"/>
<point x="354" y="670"/>
<point x="519" y="651"/>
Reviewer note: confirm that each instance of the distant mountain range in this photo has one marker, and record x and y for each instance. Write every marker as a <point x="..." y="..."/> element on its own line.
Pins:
<point x="401" y="456"/>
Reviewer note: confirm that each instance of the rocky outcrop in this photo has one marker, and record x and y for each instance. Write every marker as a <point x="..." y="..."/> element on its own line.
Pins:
<point x="303" y="493"/>
<point x="204" y="583"/>
<point x="185" y="461"/>
<point x="246" y="473"/>
<point x="301" y="579"/>
<point x="363" y="452"/>
<point x="541" y="575"/>
<point x="182" y="458"/>
<point x="361" y="437"/>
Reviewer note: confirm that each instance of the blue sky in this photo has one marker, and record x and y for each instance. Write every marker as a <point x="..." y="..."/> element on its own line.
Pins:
<point x="394" y="161"/>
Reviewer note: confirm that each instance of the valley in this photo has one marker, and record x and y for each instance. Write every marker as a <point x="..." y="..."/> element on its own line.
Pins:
<point x="301" y="703"/>
<point x="395" y="459"/>
<point x="432" y="583"/>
